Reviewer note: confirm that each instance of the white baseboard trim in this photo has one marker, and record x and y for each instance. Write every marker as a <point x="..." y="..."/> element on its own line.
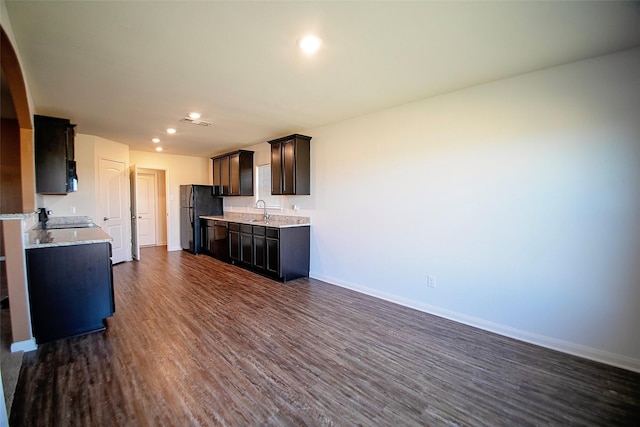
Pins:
<point x="174" y="248"/>
<point x="27" y="345"/>
<point x="590" y="353"/>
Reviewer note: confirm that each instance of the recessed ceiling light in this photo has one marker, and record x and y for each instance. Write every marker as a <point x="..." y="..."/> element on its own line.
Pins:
<point x="158" y="148"/>
<point x="171" y="131"/>
<point x="309" y="44"/>
<point x="156" y="140"/>
<point x="194" y="115"/>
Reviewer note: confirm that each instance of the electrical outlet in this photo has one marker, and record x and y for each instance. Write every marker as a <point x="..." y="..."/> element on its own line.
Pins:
<point x="431" y="281"/>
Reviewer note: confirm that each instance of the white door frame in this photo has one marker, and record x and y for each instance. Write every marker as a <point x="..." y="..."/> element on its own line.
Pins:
<point x="167" y="199"/>
<point x="133" y="195"/>
<point x="150" y="178"/>
<point x="126" y="210"/>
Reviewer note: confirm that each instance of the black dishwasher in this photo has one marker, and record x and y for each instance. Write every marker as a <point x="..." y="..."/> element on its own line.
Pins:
<point x="220" y="243"/>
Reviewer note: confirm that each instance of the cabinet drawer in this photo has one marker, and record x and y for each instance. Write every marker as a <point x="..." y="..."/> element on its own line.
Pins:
<point x="244" y="228"/>
<point x="258" y="230"/>
<point x="234" y="226"/>
<point x="273" y="232"/>
<point x="220" y="224"/>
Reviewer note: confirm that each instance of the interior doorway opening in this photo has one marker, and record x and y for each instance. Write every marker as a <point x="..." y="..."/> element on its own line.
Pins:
<point x="150" y="208"/>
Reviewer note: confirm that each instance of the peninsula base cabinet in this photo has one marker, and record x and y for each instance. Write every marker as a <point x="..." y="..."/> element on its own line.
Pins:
<point x="279" y="253"/>
<point x="70" y="289"/>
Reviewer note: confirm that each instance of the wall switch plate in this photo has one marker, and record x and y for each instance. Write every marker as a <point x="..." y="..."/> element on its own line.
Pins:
<point x="431" y="281"/>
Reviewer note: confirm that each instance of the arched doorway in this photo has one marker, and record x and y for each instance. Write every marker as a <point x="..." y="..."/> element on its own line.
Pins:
<point x="17" y="192"/>
<point x="17" y="146"/>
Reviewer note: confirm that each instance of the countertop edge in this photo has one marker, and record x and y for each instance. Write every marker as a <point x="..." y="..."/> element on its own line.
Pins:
<point x="273" y="224"/>
<point x="70" y="243"/>
<point x="47" y="238"/>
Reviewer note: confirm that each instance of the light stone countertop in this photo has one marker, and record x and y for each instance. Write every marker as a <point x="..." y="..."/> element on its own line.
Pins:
<point x="276" y="221"/>
<point x="39" y="238"/>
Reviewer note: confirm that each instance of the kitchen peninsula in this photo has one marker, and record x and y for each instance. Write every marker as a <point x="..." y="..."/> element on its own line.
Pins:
<point x="276" y="248"/>
<point x="70" y="281"/>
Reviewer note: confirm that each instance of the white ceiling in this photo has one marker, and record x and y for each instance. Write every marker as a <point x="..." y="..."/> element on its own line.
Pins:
<point x="127" y="70"/>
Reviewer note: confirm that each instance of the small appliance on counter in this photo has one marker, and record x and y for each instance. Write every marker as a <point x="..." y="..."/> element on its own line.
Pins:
<point x="195" y="201"/>
<point x="43" y="216"/>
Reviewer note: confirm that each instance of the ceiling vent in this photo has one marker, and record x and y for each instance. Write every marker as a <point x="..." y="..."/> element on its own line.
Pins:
<point x="198" y="122"/>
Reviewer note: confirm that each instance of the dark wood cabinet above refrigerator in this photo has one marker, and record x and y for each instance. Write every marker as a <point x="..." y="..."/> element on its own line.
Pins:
<point x="233" y="174"/>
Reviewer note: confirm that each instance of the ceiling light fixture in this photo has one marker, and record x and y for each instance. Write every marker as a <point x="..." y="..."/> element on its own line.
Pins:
<point x="156" y="140"/>
<point x="171" y="131"/>
<point x="195" y="121"/>
<point x="158" y="148"/>
<point x="309" y="44"/>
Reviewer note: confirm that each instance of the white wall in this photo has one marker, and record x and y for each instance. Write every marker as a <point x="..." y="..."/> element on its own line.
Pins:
<point x="179" y="170"/>
<point x="521" y="196"/>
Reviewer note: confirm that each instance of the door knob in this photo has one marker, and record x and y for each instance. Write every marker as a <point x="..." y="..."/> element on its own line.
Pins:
<point x="105" y="218"/>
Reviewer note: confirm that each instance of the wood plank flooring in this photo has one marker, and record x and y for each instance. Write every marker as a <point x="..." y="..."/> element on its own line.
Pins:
<point x="198" y="342"/>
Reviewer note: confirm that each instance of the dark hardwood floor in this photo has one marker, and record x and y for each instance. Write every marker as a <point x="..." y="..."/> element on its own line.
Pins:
<point x="197" y="342"/>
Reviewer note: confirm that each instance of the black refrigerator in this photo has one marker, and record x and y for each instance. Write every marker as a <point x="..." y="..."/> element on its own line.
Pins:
<point x="195" y="200"/>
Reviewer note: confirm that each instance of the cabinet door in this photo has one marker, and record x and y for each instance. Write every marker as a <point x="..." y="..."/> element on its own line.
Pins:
<point x="246" y="173"/>
<point x="217" y="183"/>
<point x="224" y="175"/>
<point x="234" y="246"/>
<point x="50" y="146"/>
<point x="70" y="134"/>
<point x="288" y="184"/>
<point x="259" y="246"/>
<point x="276" y="168"/>
<point x="246" y="249"/>
<point x="273" y="256"/>
<point x="234" y="168"/>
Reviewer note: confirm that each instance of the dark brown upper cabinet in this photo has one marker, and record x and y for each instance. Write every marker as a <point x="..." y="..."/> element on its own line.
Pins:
<point x="290" y="165"/>
<point x="54" y="155"/>
<point x="233" y="174"/>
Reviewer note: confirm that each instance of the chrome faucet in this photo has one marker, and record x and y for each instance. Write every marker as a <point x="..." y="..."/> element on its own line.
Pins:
<point x="264" y="205"/>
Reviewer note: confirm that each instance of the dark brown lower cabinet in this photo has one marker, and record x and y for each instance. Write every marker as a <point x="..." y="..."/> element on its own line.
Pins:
<point x="246" y="246"/>
<point x="259" y="246"/>
<point x="70" y="289"/>
<point x="273" y="253"/>
<point x="234" y="243"/>
<point x="279" y="253"/>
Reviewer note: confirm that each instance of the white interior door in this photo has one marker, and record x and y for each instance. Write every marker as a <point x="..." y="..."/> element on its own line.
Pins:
<point x="133" y="181"/>
<point x="146" y="206"/>
<point x="114" y="212"/>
